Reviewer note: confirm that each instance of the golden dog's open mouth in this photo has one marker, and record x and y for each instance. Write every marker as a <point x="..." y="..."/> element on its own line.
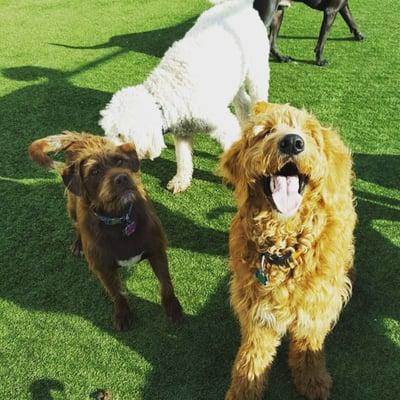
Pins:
<point x="285" y="189"/>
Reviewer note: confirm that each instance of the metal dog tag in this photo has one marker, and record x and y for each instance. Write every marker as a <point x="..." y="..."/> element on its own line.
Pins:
<point x="130" y="228"/>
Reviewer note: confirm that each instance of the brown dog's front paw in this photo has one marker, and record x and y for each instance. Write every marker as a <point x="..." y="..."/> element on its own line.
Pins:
<point x="76" y="248"/>
<point x="122" y="318"/>
<point x="314" y="387"/>
<point x="173" y="308"/>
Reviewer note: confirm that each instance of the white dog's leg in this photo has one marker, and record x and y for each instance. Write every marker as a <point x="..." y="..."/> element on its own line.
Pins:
<point x="227" y="129"/>
<point x="242" y="104"/>
<point x="257" y="81"/>
<point x="183" y="150"/>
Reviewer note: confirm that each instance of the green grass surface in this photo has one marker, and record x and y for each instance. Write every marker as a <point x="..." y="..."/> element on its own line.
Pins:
<point x="60" y="62"/>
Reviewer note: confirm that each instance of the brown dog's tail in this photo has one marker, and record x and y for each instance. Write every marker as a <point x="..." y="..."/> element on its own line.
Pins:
<point x="39" y="149"/>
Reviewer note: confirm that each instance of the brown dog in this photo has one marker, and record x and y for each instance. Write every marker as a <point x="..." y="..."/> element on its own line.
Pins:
<point x="115" y="221"/>
<point x="291" y="245"/>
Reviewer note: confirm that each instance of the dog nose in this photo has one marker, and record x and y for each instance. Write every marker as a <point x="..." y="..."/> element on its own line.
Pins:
<point x="121" y="179"/>
<point x="291" y="144"/>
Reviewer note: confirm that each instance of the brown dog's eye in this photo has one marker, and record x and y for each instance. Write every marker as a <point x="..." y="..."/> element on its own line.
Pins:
<point x="94" y="172"/>
<point x="119" y="162"/>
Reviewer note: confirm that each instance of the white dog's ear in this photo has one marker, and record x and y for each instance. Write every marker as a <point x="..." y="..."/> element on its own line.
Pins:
<point x="230" y="163"/>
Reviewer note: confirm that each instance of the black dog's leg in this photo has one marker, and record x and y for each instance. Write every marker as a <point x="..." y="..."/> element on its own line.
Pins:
<point x="348" y="18"/>
<point x="329" y="17"/>
<point x="273" y="35"/>
<point x="266" y="10"/>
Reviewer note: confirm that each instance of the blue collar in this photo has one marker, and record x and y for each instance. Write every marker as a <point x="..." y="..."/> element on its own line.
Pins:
<point x="127" y="220"/>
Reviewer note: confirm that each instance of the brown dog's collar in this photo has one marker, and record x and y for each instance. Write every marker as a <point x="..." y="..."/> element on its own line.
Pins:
<point x="281" y="260"/>
<point x="127" y="221"/>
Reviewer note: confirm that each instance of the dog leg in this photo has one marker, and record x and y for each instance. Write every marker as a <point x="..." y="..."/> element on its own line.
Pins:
<point x="227" y="129"/>
<point x="329" y="18"/>
<point x="76" y="247"/>
<point x="252" y="363"/>
<point x="307" y="362"/>
<point x="183" y="150"/>
<point x="109" y="277"/>
<point x="172" y="307"/>
<point x="257" y="81"/>
<point x="348" y="18"/>
<point x="273" y="35"/>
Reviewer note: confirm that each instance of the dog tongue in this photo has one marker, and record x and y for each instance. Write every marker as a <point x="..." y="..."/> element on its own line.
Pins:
<point x="285" y="193"/>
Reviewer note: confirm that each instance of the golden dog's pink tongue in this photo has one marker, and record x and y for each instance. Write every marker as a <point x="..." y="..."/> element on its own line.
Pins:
<point x="285" y="193"/>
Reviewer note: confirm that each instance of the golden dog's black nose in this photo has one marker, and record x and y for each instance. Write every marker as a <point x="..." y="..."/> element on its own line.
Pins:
<point x="291" y="144"/>
<point x="121" y="179"/>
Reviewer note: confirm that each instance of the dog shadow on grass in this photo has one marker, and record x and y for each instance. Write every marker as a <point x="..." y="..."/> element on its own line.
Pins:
<point x="49" y="106"/>
<point x="154" y="42"/>
<point x="42" y="389"/>
<point x="193" y="360"/>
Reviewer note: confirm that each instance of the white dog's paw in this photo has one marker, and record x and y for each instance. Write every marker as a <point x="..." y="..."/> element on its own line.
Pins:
<point x="178" y="184"/>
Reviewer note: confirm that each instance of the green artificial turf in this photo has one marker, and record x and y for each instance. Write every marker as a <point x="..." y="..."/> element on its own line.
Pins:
<point x="60" y="62"/>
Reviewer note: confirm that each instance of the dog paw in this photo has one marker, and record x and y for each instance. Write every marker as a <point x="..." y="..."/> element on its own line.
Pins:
<point x="173" y="309"/>
<point x="359" y="36"/>
<point x="178" y="184"/>
<point x="76" y="248"/>
<point x="314" y="387"/>
<point x="321" y="62"/>
<point x="104" y="395"/>
<point x="122" y="318"/>
<point x="284" y="59"/>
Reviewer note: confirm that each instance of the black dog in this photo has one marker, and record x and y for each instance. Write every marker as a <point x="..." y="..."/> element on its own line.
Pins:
<point x="272" y="14"/>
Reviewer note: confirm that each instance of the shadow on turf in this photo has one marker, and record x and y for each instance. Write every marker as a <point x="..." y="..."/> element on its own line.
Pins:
<point x="193" y="360"/>
<point x="49" y="106"/>
<point x="41" y="389"/>
<point x="333" y="39"/>
<point x="154" y="43"/>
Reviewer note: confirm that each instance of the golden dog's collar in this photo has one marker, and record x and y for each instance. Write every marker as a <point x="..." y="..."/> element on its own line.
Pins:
<point x="281" y="260"/>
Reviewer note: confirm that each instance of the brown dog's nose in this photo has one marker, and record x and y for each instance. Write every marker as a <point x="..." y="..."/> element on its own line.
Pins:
<point x="291" y="144"/>
<point x="121" y="179"/>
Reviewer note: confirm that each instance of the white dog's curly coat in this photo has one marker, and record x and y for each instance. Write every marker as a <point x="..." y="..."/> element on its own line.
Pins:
<point x="191" y="89"/>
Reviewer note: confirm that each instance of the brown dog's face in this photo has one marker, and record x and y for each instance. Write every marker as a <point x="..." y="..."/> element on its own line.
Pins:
<point x="104" y="176"/>
<point x="283" y="156"/>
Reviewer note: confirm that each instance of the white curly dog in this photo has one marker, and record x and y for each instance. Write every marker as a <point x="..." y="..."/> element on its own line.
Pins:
<point x="222" y="55"/>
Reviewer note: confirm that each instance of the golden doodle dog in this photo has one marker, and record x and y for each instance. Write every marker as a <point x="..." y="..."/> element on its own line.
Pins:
<point x="115" y="222"/>
<point x="291" y="245"/>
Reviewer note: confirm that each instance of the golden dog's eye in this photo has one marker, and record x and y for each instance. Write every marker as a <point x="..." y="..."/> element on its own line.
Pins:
<point x="262" y="130"/>
<point x="119" y="162"/>
<point x="94" y="172"/>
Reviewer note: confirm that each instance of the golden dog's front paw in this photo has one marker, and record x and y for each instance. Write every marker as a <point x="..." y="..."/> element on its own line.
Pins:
<point x="314" y="387"/>
<point x="178" y="184"/>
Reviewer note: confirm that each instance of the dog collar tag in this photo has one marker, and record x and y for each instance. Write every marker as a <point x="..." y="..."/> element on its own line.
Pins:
<point x="130" y="228"/>
<point x="261" y="277"/>
<point x="260" y="272"/>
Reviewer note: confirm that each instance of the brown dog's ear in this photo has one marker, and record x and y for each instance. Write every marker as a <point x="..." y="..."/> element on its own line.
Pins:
<point x="230" y="163"/>
<point x="72" y="179"/>
<point x="129" y="150"/>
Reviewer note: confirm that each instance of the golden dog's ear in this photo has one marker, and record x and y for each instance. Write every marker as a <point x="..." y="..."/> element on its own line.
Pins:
<point x="129" y="150"/>
<point x="261" y="107"/>
<point x="72" y="179"/>
<point x="339" y="172"/>
<point x="230" y="163"/>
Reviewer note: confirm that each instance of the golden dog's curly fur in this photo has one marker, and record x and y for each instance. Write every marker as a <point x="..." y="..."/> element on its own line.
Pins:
<point x="303" y="298"/>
